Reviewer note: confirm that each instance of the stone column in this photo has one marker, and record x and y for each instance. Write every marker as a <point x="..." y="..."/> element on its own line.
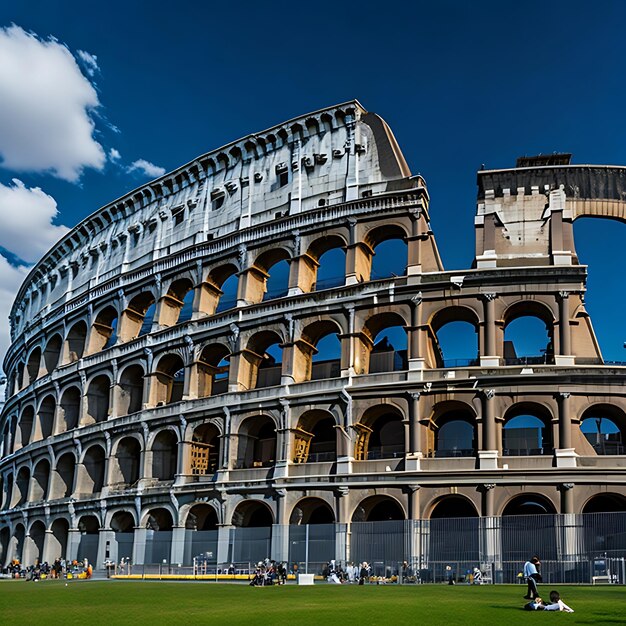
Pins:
<point x="342" y="537"/>
<point x="414" y="244"/>
<point x="565" y="356"/>
<point x="488" y="454"/>
<point x="107" y="546"/>
<point x="489" y="358"/>
<point x="139" y="545"/>
<point x="565" y="454"/>
<point x="73" y="543"/>
<point x="415" y="347"/>
<point x="177" y="551"/>
<point x="280" y="530"/>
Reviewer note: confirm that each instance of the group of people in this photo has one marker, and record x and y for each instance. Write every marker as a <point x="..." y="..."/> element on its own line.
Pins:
<point x="268" y="572"/>
<point x="352" y="573"/>
<point x="533" y="577"/>
<point x="60" y="568"/>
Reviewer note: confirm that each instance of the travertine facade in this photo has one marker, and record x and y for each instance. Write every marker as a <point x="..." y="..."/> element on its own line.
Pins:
<point x="158" y="383"/>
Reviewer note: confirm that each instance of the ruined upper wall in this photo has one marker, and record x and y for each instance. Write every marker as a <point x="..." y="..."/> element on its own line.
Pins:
<point x="334" y="155"/>
<point x="525" y="215"/>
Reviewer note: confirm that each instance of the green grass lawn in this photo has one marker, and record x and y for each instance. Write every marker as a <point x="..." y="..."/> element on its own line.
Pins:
<point x="125" y="602"/>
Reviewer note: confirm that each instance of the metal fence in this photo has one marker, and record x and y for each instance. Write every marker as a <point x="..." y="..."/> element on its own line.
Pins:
<point x="573" y="548"/>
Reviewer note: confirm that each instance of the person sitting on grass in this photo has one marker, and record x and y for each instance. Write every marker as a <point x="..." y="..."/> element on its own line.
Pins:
<point x="556" y="604"/>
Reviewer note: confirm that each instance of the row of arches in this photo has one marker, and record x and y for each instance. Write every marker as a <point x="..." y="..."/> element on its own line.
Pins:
<point x="201" y="521"/>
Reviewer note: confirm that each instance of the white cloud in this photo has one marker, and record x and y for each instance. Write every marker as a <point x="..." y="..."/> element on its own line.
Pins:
<point x="114" y="155"/>
<point x="26" y="221"/>
<point x="90" y="62"/>
<point x="147" y="168"/>
<point x="45" y="115"/>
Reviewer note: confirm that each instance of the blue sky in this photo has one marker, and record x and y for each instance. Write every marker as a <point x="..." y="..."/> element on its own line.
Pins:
<point x="460" y="84"/>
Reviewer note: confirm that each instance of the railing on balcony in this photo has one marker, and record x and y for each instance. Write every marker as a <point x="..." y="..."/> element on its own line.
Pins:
<point x="544" y="359"/>
<point x="268" y="376"/>
<point x="461" y="362"/>
<point x="385" y="452"/>
<point x="454" y="452"/>
<point x="388" y="361"/>
<point x="526" y="451"/>
<point x="321" y="457"/>
<point x="329" y="283"/>
<point x="326" y="369"/>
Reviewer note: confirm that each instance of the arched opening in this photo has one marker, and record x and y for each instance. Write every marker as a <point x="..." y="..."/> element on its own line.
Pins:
<point x="32" y="366"/>
<point x="380" y="434"/>
<point x="205" y="450"/>
<point x="127" y="462"/>
<point x="123" y="525"/>
<point x="62" y="483"/>
<point x="44" y="424"/>
<point x="318" y="352"/>
<point x="263" y="360"/>
<point x="228" y="298"/>
<point x="138" y="316"/>
<point x="257" y="442"/>
<point x="177" y="303"/>
<point x="312" y="521"/>
<point x="603" y="519"/>
<point x="75" y="343"/>
<point x="253" y="533"/>
<point x="384" y="345"/>
<point x="454" y="533"/>
<point x="57" y="542"/>
<point x="272" y="269"/>
<point x="16" y="544"/>
<point x="7" y="491"/>
<point x="104" y="331"/>
<point x="52" y="353"/>
<point x="89" y="528"/>
<point x="170" y="379"/>
<point x="605" y="503"/>
<point x="201" y="533"/>
<point x="455" y="333"/>
<point x="39" y="483"/>
<point x="454" y="432"/>
<point x="130" y="398"/>
<point x="165" y="455"/>
<point x="378" y="509"/>
<point x="324" y="265"/>
<point x="521" y="513"/>
<point x="604" y="426"/>
<point x="389" y="250"/>
<point x="69" y="410"/>
<point x="159" y="536"/>
<point x="25" y="427"/>
<point x="315" y="438"/>
<point x="33" y="544"/>
<point x="528" y="334"/>
<point x="527" y="431"/>
<point x="5" y="537"/>
<point x="92" y="479"/>
<point x="213" y="370"/>
<point x="21" y="487"/>
<point x="98" y="393"/>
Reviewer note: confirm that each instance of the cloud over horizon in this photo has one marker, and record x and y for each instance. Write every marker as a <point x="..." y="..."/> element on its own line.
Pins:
<point x="45" y="121"/>
<point x="145" y="167"/>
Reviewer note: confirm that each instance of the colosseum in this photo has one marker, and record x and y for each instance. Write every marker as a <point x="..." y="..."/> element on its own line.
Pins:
<point x="246" y="357"/>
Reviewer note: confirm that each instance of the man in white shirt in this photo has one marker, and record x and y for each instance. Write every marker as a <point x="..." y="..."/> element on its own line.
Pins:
<point x="532" y="576"/>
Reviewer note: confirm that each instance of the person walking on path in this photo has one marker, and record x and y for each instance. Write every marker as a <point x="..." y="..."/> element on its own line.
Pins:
<point x="532" y="577"/>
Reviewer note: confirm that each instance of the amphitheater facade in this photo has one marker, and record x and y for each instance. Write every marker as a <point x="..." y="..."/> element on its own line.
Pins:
<point x="215" y="352"/>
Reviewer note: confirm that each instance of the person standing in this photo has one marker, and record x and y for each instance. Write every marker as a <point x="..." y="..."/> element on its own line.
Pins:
<point x="532" y="577"/>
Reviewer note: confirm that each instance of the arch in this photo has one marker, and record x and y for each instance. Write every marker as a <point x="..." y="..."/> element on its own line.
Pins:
<point x="159" y="523"/>
<point x="122" y="522"/>
<point x="527" y="430"/>
<point x="74" y="347"/>
<point x="315" y="437"/>
<point x="39" y="481"/>
<point x="529" y="344"/>
<point x="5" y="540"/>
<point x="312" y="511"/>
<point x="383" y="344"/>
<point x="169" y="379"/>
<point x="27" y="419"/>
<point x="380" y="434"/>
<point x="175" y="302"/>
<point x="222" y="289"/>
<point x="98" y="395"/>
<point x="52" y="352"/>
<point x="324" y="264"/>
<point x="44" y="424"/>
<point x="104" y="330"/>
<point x="205" y="450"/>
<point x="252" y="514"/>
<point x="130" y="397"/>
<point x="138" y="317"/>
<point x="159" y="519"/>
<point x="453" y="430"/>
<point x="262" y="360"/>
<point x="69" y="410"/>
<point x="126" y="462"/>
<point x="57" y="541"/>
<point x="455" y="337"/>
<point x="123" y="525"/>
<point x="91" y="480"/>
<point x="89" y="528"/>
<point x="528" y="504"/>
<point x="257" y="442"/>
<point x="378" y="509"/>
<point x="202" y="516"/>
<point x="605" y="503"/>
<point x="389" y="251"/>
<point x="213" y="370"/>
<point x="165" y="455"/>
<point x="604" y="427"/>
<point x="20" y="488"/>
<point x="317" y="354"/>
<point x="33" y="366"/>
<point x="453" y="506"/>
<point x="62" y="481"/>
<point x="33" y="543"/>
